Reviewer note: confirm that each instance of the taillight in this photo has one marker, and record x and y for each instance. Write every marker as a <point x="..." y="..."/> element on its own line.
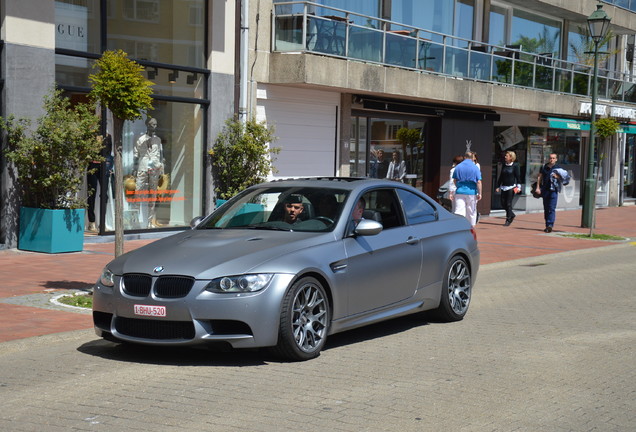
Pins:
<point x="474" y="233"/>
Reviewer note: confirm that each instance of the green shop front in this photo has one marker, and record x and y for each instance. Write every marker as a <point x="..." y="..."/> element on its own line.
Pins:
<point x="533" y="138"/>
<point x="532" y="146"/>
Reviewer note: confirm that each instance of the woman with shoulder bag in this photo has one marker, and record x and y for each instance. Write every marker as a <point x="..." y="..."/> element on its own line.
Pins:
<point x="509" y="184"/>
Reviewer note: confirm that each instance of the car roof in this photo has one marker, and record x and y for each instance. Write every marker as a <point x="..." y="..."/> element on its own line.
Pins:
<point x="344" y="183"/>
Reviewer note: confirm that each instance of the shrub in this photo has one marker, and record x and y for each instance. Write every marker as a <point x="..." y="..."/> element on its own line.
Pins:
<point x="606" y="127"/>
<point x="52" y="160"/>
<point x="241" y="156"/>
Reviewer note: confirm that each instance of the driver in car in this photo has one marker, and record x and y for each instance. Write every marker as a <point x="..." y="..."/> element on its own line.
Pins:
<point x="293" y="208"/>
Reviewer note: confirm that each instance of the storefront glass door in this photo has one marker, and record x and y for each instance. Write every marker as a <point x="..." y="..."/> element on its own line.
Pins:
<point x="375" y="142"/>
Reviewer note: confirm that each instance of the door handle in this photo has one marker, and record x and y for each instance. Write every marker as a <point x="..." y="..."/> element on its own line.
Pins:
<point x="412" y="240"/>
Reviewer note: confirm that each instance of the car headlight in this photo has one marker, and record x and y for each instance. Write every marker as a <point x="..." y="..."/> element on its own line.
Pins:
<point x="107" y="278"/>
<point x="240" y="284"/>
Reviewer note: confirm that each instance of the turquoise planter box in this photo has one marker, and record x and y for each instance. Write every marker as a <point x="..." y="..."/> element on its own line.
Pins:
<point x="51" y="231"/>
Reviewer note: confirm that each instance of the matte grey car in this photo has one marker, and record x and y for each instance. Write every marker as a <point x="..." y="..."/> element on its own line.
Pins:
<point x="252" y="274"/>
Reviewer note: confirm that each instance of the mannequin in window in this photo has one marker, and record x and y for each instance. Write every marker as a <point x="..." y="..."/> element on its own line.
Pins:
<point x="148" y="163"/>
<point x="96" y="176"/>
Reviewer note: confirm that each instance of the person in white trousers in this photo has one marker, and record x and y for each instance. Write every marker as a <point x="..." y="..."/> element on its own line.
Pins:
<point x="467" y="178"/>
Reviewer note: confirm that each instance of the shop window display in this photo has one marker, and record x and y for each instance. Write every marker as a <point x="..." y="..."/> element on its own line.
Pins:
<point x="162" y="169"/>
<point x="162" y="154"/>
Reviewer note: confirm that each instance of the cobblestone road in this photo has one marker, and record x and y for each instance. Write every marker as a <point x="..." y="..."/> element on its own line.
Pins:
<point x="548" y="345"/>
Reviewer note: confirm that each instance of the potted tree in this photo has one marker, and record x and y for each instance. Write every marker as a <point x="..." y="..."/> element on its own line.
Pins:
<point x="51" y="162"/>
<point x="119" y="85"/>
<point x="241" y="157"/>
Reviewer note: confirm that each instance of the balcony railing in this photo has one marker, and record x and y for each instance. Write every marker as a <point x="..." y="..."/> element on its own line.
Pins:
<point x="309" y="27"/>
<point x="625" y="4"/>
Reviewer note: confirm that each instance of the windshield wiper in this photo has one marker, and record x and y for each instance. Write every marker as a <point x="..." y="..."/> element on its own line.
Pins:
<point x="265" y="227"/>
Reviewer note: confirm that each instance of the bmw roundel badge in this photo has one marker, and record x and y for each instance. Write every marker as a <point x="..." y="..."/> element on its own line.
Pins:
<point x="158" y="269"/>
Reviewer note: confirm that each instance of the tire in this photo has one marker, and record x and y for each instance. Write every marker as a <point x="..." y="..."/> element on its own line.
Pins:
<point x="456" y="291"/>
<point x="304" y="321"/>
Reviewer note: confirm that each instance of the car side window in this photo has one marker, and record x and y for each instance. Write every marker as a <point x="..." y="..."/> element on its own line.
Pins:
<point x="382" y="205"/>
<point x="416" y="208"/>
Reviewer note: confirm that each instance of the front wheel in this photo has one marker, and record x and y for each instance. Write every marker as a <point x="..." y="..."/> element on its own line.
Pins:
<point x="456" y="291"/>
<point x="304" y="321"/>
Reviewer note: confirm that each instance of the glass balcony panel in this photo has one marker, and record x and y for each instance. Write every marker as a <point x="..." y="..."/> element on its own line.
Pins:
<point x="288" y="35"/>
<point x="479" y="64"/>
<point x="456" y="63"/>
<point x="429" y="55"/>
<point x="581" y="83"/>
<point x="543" y="77"/>
<point x="524" y="73"/>
<point x="563" y="80"/>
<point x="616" y="89"/>
<point x="629" y="94"/>
<point x="602" y="87"/>
<point x="624" y="3"/>
<point x="502" y="70"/>
<point x="400" y="49"/>
<point x="328" y="35"/>
<point x="289" y="9"/>
<point x="365" y="43"/>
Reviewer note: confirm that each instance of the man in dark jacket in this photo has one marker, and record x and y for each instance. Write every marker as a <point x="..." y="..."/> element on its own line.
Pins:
<point x="549" y="185"/>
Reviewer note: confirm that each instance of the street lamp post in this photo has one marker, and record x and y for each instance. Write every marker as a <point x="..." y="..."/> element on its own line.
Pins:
<point x="598" y="24"/>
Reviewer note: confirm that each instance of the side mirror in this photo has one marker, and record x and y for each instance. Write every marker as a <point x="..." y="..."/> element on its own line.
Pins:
<point x="196" y="221"/>
<point x="368" y="227"/>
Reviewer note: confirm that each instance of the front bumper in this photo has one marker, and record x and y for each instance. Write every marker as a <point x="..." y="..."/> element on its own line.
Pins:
<point x="244" y="320"/>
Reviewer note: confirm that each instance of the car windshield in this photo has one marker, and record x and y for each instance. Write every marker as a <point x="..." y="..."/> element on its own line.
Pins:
<point x="309" y="209"/>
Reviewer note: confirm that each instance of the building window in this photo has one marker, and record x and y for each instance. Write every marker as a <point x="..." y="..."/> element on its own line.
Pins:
<point x="498" y="30"/>
<point x="141" y="10"/>
<point x="436" y="16"/>
<point x="77" y="25"/>
<point x="164" y="33"/>
<point x="536" y="33"/>
<point x="464" y="19"/>
<point x="196" y="16"/>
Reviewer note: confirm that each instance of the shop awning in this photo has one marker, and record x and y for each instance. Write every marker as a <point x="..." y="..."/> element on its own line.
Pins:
<point x="562" y="123"/>
<point x="628" y="128"/>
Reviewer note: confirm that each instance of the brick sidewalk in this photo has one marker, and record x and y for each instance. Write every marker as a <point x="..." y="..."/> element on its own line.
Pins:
<point x="29" y="273"/>
<point x="525" y="237"/>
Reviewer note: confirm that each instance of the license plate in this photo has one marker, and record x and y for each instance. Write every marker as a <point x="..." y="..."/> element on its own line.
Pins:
<point x="147" y="310"/>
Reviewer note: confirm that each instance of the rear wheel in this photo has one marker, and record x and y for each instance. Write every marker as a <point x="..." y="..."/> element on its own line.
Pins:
<point x="456" y="291"/>
<point x="304" y="321"/>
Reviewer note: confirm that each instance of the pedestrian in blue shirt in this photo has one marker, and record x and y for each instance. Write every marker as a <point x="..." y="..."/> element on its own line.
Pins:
<point x="467" y="178"/>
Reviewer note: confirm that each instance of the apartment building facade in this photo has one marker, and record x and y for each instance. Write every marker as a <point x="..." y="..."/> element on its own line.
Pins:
<point x="489" y="76"/>
<point x="338" y="80"/>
